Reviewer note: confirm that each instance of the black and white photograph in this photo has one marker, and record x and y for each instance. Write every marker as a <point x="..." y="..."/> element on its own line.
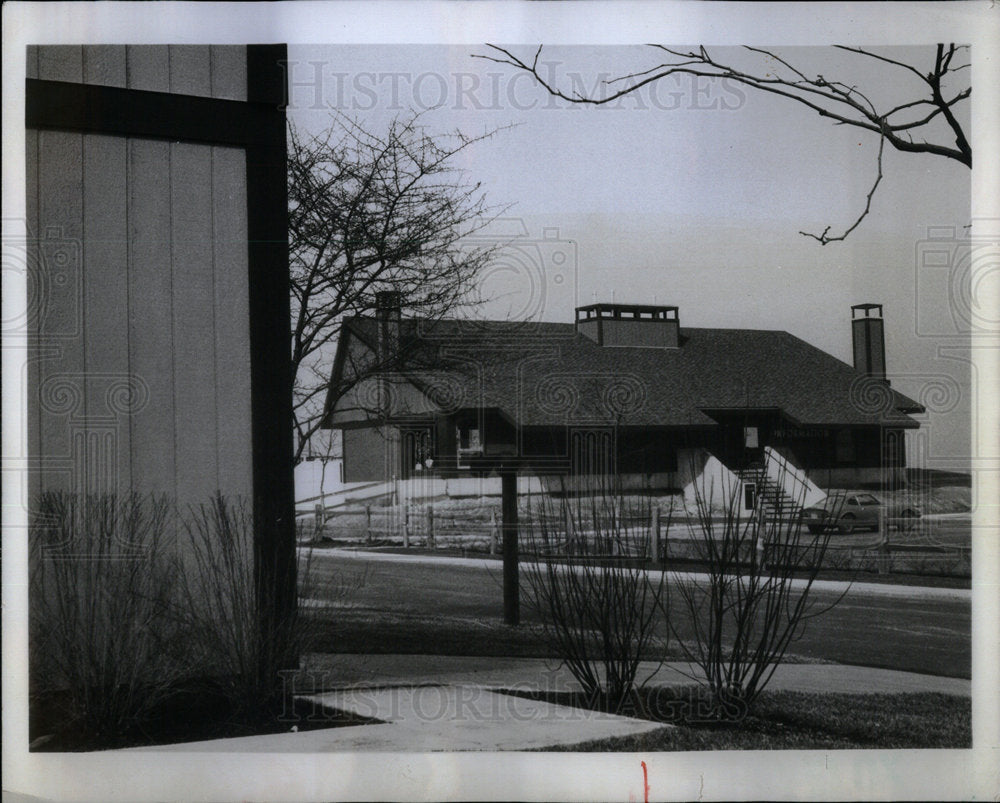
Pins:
<point x="550" y="401"/>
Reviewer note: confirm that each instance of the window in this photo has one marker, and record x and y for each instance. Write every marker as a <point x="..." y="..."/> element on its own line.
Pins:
<point x="750" y="439"/>
<point x="592" y="452"/>
<point x="469" y="444"/>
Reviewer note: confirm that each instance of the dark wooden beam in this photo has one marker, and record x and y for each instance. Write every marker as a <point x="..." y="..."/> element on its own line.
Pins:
<point x="91" y="108"/>
<point x="271" y="374"/>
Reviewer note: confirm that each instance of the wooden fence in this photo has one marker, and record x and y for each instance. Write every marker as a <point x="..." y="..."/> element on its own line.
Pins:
<point x="655" y="537"/>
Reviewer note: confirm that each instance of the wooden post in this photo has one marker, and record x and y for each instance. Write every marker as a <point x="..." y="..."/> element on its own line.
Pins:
<point x="494" y="532"/>
<point x="430" y="526"/>
<point x="761" y="539"/>
<point x="511" y="602"/>
<point x="654" y="535"/>
<point x="665" y="554"/>
<point x="883" y="546"/>
<point x="570" y="537"/>
<point x="406" y="527"/>
<point x="368" y="527"/>
<point x="318" y="522"/>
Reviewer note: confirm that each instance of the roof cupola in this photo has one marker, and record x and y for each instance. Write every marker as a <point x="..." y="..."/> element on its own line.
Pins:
<point x="631" y="325"/>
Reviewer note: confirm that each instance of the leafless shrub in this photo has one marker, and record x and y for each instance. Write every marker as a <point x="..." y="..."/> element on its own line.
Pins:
<point x="753" y="599"/>
<point x="224" y="604"/>
<point x="600" y="608"/>
<point x="103" y="575"/>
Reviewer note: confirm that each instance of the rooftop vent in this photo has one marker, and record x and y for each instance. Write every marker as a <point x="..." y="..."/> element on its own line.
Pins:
<point x="630" y="325"/>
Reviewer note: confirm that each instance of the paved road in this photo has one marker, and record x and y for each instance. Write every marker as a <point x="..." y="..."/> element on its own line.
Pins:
<point x="895" y="627"/>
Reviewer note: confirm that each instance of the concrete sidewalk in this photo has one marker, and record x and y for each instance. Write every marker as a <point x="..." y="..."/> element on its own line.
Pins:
<point x="430" y="703"/>
<point x="358" y="671"/>
<point x="432" y="719"/>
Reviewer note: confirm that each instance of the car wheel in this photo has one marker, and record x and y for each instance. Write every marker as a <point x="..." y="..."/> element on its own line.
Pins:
<point x="908" y="520"/>
<point x="814" y="528"/>
<point x="846" y="524"/>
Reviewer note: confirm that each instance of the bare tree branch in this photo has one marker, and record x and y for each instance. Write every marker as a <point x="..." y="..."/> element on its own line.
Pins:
<point x="834" y="100"/>
<point x="370" y="212"/>
<point x="824" y="238"/>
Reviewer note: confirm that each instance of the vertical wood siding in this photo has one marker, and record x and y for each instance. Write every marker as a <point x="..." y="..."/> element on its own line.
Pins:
<point x="142" y="379"/>
<point x="214" y="71"/>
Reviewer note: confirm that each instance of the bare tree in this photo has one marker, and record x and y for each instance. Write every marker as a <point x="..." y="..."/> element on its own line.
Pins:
<point x="370" y="212"/>
<point x="753" y="599"/>
<point x="927" y="122"/>
<point x="590" y="584"/>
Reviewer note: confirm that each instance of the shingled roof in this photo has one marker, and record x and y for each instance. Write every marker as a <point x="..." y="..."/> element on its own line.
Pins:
<point x="544" y="374"/>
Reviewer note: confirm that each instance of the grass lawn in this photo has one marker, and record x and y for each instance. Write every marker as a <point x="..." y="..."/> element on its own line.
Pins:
<point x="372" y="633"/>
<point x="417" y="607"/>
<point x="784" y="720"/>
<point x="431" y="609"/>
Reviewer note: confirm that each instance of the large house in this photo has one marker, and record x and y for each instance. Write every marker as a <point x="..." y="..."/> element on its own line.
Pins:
<point x="623" y="390"/>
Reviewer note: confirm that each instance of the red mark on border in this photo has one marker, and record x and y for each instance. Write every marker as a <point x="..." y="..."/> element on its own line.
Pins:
<point x="645" y="782"/>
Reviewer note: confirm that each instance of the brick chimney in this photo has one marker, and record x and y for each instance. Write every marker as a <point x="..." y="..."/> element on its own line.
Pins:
<point x="388" y="312"/>
<point x="633" y="325"/>
<point x="868" y="336"/>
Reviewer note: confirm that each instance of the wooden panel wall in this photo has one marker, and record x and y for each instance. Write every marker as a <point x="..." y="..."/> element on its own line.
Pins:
<point x="143" y="374"/>
<point x="215" y="71"/>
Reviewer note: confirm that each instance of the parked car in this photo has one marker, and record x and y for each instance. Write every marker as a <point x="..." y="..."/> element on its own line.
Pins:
<point x="855" y="511"/>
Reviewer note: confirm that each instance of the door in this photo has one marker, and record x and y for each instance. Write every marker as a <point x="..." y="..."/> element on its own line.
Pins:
<point x="416" y="451"/>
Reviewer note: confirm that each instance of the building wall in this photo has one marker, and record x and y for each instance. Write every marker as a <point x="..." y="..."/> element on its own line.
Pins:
<point x="214" y="71"/>
<point x="374" y="396"/>
<point x="371" y="454"/>
<point x="159" y="298"/>
<point x="142" y="379"/>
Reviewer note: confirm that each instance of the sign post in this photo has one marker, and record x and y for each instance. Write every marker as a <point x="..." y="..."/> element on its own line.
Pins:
<point x="508" y="506"/>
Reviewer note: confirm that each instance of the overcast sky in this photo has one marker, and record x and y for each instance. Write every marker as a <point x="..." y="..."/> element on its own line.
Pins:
<point x="691" y="194"/>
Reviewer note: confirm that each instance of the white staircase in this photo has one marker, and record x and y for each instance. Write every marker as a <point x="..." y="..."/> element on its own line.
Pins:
<point x="770" y="493"/>
<point x="782" y="487"/>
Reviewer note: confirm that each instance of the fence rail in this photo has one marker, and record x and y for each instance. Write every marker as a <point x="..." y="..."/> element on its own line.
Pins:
<point x="648" y="537"/>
